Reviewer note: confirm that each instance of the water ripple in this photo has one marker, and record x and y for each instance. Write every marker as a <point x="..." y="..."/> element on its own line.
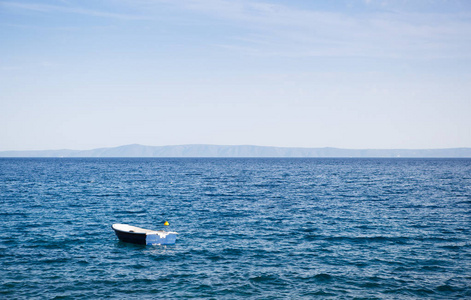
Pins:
<point x="249" y="228"/>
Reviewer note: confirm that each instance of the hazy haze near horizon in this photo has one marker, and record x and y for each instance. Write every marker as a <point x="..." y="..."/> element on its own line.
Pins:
<point x="349" y="74"/>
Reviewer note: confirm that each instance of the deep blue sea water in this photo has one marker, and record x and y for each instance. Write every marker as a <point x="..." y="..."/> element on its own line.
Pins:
<point x="248" y="228"/>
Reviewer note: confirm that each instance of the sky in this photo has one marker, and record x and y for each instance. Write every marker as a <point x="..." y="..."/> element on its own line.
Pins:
<point x="358" y="74"/>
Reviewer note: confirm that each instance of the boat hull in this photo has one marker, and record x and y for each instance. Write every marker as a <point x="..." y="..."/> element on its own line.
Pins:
<point x="135" y="238"/>
<point x="135" y="235"/>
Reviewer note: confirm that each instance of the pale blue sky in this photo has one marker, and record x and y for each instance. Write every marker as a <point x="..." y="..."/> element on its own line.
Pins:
<point x="349" y="74"/>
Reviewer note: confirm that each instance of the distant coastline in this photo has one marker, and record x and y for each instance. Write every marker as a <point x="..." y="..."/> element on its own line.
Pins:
<point x="240" y="151"/>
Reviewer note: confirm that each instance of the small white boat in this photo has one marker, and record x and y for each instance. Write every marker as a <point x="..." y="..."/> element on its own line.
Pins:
<point x="136" y="235"/>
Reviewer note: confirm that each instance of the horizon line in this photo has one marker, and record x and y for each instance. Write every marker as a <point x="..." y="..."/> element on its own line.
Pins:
<point x="234" y="145"/>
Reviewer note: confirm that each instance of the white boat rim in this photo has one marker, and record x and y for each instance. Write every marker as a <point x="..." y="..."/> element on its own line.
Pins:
<point x="138" y="230"/>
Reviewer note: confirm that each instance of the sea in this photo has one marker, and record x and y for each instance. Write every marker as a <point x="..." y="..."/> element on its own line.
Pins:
<point x="248" y="228"/>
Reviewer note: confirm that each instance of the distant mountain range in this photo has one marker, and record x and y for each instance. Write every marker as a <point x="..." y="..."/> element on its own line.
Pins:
<point x="237" y="151"/>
